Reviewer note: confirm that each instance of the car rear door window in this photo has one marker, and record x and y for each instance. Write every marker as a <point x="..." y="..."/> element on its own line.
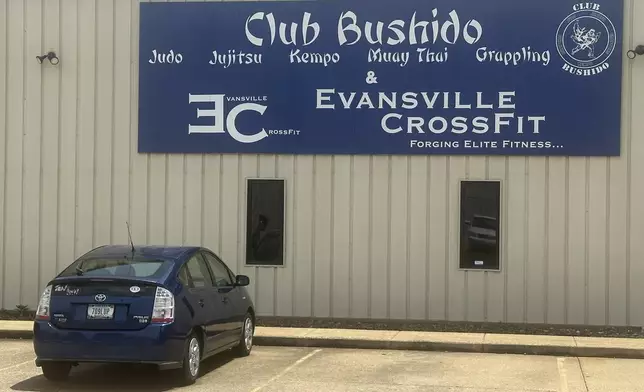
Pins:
<point x="198" y="271"/>
<point x="219" y="270"/>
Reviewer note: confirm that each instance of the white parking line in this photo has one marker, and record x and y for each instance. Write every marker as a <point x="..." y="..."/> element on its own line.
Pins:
<point x="288" y="369"/>
<point x="17" y="365"/>
<point x="563" y="378"/>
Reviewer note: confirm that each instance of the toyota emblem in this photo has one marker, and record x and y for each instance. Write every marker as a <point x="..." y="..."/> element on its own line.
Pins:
<point x="100" y="297"/>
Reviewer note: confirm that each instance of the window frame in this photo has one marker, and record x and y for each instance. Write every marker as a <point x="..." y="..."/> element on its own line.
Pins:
<point x="188" y="284"/>
<point x="284" y="182"/>
<point x="501" y="228"/>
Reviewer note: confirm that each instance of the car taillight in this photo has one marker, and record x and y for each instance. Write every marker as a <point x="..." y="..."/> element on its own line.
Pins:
<point x="163" y="310"/>
<point x="43" y="313"/>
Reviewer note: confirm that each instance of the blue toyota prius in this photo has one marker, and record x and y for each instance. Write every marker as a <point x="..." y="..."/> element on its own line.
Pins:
<point x="168" y="306"/>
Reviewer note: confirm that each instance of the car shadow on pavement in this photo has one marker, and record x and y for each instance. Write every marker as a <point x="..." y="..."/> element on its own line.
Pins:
<point x="118" y="378"/>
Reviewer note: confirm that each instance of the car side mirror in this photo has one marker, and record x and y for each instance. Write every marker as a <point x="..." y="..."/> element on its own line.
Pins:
<point x="242" y="280"/>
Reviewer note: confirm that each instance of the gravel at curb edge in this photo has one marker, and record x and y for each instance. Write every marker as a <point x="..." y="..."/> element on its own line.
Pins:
<point x="464" y="327"/>
<point x="427" y="326"/>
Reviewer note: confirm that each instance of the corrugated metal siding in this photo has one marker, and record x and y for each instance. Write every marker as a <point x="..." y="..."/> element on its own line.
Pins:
<point x="366" y="236"/>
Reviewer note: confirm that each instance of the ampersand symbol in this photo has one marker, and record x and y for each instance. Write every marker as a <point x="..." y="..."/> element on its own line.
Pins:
<point x="371" y="78"/>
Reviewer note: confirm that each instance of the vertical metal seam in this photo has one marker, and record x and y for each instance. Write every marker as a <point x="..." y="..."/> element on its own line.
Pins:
<point x="202" y="206"/>
<point x="447" y="235"/>
<point x="370" y="241"/>
<point x="43" y="26"/>
<point x="505" y="247"/>
<point x="629" y="138"/>
<point x="526" y="237"/>
<point x="332" y="239"/>
<point x="566" y="283"/>
<point x="184" y="196"/>
<point x="388" y="242"/>
<point x="285" y="234"/>
<point x="148" y="156"/>
<point x="314" y="214"/>
<point x="486" y="274"/>
<point x="129" y="114"/>
<point x="220" y="200"/>
<point x="608" y="242"/>
<point x="5" y="159"/>
<point x="147" y="197"/>
<point x="242" y="186"/>
<point x="95" y="115"/>
<point x="60" y="143"/>
<point x="77" y="131"/>
<point x="466" y="274"/>
<point x="244" y="219"/>
<point x="22" y="158"/>
<point x="148" y="184"/>
<point x="113" y="121"/>
<point x="351" y="218"/>
<point x="295" y="236"/>
<point x="276" y="161"/>
<point x="408" y="242"/>
<point x="546" y="234"/>
<point x="166" y="191"/>
<point x="428" y="258"/>
<point x="275" y="301"/>
<point x="587" y="243"/>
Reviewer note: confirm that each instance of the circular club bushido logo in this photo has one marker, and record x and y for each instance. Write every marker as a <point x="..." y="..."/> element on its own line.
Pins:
<point x="586" y="39"/>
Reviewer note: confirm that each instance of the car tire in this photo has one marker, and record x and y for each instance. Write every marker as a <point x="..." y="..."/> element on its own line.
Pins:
<point x="56" y="371"/>
<point x="245" y="345"/>
<point x="191" y="360"/>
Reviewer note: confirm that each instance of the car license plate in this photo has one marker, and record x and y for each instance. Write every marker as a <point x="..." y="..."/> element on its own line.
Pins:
<point x="100" y="312"/>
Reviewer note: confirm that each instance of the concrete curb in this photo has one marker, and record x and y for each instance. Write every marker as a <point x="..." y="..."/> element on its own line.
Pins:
<point x="473" y="343"/>
<point x="366" y="344"/>
<point x="491" y="348"/>
<point x="16" y="334"/>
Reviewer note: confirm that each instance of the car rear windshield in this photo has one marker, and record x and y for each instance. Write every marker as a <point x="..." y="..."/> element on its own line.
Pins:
<point x="122" y="268"/>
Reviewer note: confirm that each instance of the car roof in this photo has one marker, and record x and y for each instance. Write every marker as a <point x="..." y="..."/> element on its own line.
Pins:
<point x="162" y="252"/>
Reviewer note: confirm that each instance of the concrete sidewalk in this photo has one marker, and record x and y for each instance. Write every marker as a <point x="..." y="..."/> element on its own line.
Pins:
<point x="420" y="341"/>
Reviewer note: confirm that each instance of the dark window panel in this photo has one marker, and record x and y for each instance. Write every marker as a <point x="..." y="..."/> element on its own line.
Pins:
<point x="480" y="225"/>
<point x="265" y="222"/>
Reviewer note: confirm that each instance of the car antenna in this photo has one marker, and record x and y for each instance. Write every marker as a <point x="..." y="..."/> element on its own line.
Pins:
<point x="129" y="234"/>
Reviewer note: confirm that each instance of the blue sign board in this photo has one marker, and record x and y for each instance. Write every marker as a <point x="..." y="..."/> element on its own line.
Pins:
<point x="493" y="77"/>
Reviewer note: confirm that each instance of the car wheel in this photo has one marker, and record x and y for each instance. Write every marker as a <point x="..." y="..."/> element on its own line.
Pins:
<point x="245" y="345"/>
<point x="56" y="371"/>
<point x="191" y="360"/>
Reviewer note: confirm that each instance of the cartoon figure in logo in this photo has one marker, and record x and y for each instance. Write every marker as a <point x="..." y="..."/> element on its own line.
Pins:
<point x="585" y="40"/>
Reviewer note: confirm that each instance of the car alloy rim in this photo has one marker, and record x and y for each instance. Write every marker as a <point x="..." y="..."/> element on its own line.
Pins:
<point x="248" y="333"/>
<point x="193" y="356"/>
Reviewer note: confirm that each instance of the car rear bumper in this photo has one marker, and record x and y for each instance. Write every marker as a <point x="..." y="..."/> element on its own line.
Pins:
<point x="155" y="344"/>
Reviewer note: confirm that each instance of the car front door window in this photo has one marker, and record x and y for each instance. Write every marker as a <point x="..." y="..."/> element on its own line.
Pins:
<point x="219" y="270"/>
<point x="199" y="274"/>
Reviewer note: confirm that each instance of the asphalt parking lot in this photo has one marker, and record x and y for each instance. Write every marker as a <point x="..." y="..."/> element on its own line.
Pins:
<point x="271" y="369"/>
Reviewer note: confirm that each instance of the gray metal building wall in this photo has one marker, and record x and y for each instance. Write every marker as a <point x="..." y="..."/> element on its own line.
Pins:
<point x="365" y="236"/>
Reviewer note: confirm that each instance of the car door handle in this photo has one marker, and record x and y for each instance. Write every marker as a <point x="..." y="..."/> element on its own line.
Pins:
<point x="201" y="303"/>
<point x="224" y="300"/>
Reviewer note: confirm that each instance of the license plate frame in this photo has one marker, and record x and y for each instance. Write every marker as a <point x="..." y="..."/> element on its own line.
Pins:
<point x="100" y="312"/>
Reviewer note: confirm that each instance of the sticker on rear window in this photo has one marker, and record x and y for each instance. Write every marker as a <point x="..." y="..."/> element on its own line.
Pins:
<point x="63" y="288"/>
